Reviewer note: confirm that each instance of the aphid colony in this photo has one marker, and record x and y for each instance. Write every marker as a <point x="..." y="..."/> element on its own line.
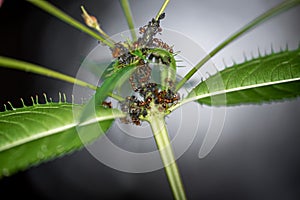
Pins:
<point x="123" y="51"/>
<point x="139" y="106"/>
<point x="141" y="52"/>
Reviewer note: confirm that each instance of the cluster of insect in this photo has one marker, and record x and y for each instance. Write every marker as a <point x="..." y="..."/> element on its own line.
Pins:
<point x="146" y="93"/>
<point x="150" y="95"/>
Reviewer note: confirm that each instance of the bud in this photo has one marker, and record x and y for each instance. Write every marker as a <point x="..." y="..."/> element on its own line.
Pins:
<point x="89" y="20"/>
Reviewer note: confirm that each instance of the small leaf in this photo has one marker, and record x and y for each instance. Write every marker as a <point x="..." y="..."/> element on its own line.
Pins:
<point x="264" y="79"/>
<point x="107" y="87"/>
<point x="33" y="134"/>
<point x="168" y="73"/>
<point x="113" y="81"/>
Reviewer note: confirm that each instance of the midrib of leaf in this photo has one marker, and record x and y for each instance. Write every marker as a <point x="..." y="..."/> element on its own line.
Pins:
<point x="37" y="136"/>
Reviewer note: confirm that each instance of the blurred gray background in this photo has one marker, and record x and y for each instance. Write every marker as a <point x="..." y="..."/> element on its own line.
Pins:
<point x="257" y="155"/>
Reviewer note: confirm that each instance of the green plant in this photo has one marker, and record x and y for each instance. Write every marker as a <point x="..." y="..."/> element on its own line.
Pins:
<point x="286" y="85"/>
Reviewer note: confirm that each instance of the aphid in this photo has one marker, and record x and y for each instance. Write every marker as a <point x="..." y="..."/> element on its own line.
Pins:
<point x="161" y="16"/>
<point x="124" y="120"/>
<point x="149" y="92"/>
<point x="140" y="76"/>
<point x="142" y="30"/>
<point x="135" y="45"/>
<point x="144" y="113"/>
<point x="107" y="104"/>
<point x="169" y="82"/>
<point x="116" y="52"/>
<point x="150" y="30"/>
<point x="160" y="44"/>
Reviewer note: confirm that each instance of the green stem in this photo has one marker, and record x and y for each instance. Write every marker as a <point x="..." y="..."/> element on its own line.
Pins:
<point x="260" y="19"/>
<point x="46" y="6"/>
<point x="162" y="9"/>
<point x="128" y="15"/>
<point x="159" y="129"/>
<point x="29" y="67"/>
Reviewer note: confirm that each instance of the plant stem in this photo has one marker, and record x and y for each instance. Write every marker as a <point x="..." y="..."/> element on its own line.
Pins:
<point x="260" y="19"/>
<point x="163" y="7"/>
<point x="36" y="69"/>
<point x="129" y="19"/>
<point x="46" y="6"/>
<point x="158" y="126"/>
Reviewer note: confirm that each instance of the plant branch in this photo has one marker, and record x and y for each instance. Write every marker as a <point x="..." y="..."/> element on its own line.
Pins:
<point x="46" y="6"/>
<point x="260" y="19"/>
<point x="162" y="9"/>
<point x="158" y="126"/>
<point x="36" y="69"/>
<point x="129" y="19"/>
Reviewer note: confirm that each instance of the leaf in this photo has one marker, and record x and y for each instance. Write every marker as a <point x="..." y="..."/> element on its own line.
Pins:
<point x="168" y="73"/>
<point x="264" y="79"/>
<point x="113" y="81"/>
<point x="33" y="134"/>
<point x="285" y="5"/>
<point x="107" y="87"/>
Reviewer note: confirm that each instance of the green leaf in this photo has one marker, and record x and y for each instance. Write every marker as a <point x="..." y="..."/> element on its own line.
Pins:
<point x="285" y="5"/>
<point x="168" y="73"/>
<point x="113" y="81"/>
<point x="110" y="69"/>
<point x="107" y="87"/>
<point x="264" y="79"/>
<point x="33" y="134"/>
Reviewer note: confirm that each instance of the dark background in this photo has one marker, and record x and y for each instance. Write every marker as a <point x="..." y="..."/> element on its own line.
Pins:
<point x="257" y="156"/>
